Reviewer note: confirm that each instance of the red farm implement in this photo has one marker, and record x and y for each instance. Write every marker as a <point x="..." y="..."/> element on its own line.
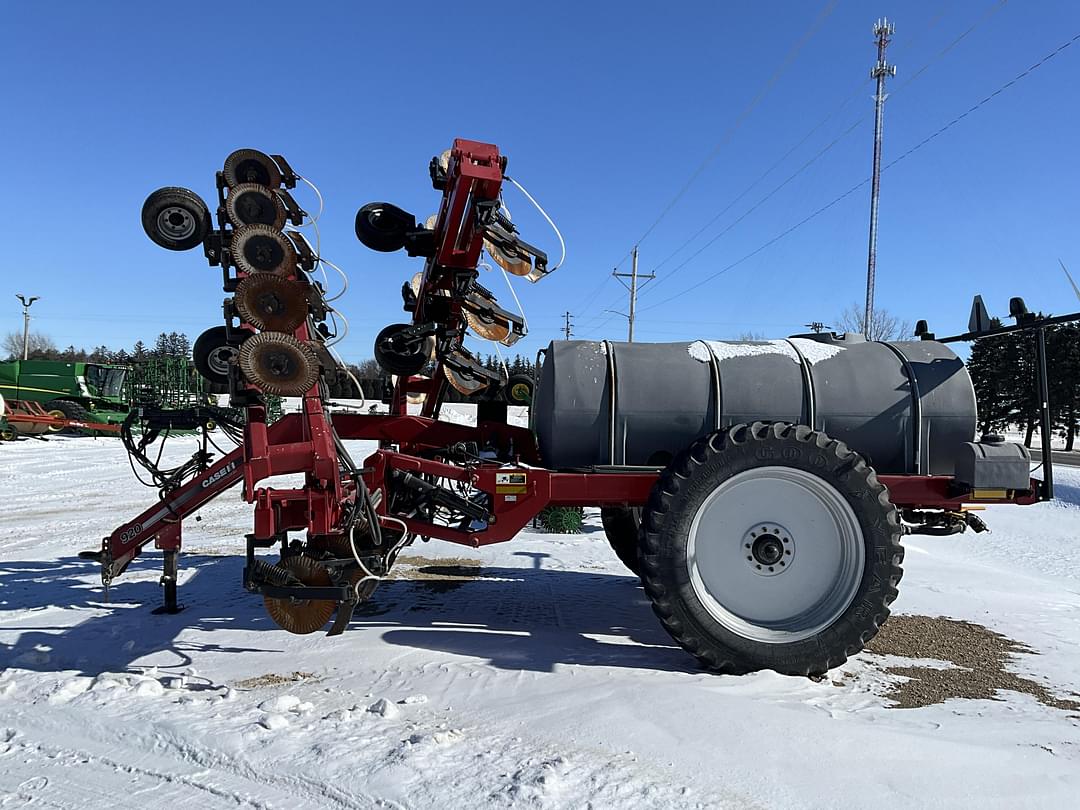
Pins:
<point x="25" y="417"/>
<point x="762" y="540"/>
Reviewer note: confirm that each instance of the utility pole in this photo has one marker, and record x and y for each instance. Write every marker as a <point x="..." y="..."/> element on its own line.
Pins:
<point x="817" y="326"/>
<point x="883" y="29"/>
<point x="566" y="330"/>
<point x="26" y="322"/>
<point x="633" y="288"/>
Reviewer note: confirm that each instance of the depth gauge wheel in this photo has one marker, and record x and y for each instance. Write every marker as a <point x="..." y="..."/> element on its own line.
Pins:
<point x="212" y="354"/>
<point x="397" y="355"/>
<point x="175" y="218"/>
<point x="383" y="227"/>
<point x="770" y="546"/>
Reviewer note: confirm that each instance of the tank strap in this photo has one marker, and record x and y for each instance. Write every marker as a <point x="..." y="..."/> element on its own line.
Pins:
<point x="919" y="460"/>
<point x="609" y="351"/>
<point x="714" y="368"/>
<point x="809" y="402"/>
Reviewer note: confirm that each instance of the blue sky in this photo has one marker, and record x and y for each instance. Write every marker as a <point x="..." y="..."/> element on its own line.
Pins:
<point x="605" y="110"/>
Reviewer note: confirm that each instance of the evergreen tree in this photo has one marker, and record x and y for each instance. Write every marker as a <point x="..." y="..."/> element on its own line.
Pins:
<point x="138" y="351"/>
<point x="182" y="346"/>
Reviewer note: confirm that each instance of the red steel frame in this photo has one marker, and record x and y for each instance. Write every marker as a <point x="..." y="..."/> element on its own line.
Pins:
<point x="304" y="442"/>
<point x="24" y="411"/>
<point x="290" y="446"/>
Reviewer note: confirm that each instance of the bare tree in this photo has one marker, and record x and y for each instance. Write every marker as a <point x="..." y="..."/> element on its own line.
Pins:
<point x="884" y="326"/>
<point x="368" y="369"/>
<point x="752" y="336"/>
<point x="41" y="347"/>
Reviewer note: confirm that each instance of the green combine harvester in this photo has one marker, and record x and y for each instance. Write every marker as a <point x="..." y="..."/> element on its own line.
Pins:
<point x="87" y="392"/>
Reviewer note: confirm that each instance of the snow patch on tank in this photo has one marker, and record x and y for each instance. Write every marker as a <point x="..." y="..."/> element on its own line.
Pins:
<point x="815" y="351"/>
<point x="704" y="350"/>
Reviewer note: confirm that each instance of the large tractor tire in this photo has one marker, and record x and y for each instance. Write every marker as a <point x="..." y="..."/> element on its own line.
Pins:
<point x="770" y="546"/>
<point x="68" y="409"/>
<point x="621" y="524"/>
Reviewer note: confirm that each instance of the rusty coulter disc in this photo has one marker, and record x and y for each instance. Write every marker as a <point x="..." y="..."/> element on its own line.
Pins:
<point x="302" y="616"/>
<point x="487" y="329"/>
<point x="271" y="303"/>
<point x="279" y="364"/>
<point x="262" y="249"/>
<point x="252" y="204"/>
<point x="516" y="265"/>
<point x="251" y="166"/>
<point x="462" y="383"/>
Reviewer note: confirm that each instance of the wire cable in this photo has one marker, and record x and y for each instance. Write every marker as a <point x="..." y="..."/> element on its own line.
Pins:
<point x="318" y="194"/>
<point x="989" y="12"/>
<point x="888" y="166"/>
<point x="543" y="213"/>
<point x="818" y="21"/>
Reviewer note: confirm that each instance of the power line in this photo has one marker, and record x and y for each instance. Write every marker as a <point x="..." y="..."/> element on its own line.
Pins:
<point x="823" y="15"/>
<point x="758" y="204"/>
<point x="769" y="171"/>
<point x="990" y="11"/>
<point x="888" y="166"/>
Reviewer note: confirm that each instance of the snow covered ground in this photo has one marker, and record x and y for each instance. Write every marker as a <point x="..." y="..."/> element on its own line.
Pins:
<point x="527" y="674"/>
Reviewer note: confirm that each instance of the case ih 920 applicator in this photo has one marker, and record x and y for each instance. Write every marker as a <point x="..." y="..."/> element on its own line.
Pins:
<point x="759" y="489"/>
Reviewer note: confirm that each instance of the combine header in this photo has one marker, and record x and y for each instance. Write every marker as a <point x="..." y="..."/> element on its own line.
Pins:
<point x="748" y="504"/>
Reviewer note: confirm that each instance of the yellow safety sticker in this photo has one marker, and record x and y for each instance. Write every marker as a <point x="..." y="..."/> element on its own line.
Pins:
<point x="507" y="483"/>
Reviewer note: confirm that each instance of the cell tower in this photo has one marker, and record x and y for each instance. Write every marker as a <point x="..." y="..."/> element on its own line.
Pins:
<point x="883" y="30"/>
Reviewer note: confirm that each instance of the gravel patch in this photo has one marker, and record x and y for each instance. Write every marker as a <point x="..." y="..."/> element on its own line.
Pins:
<point x="979" y="658"/>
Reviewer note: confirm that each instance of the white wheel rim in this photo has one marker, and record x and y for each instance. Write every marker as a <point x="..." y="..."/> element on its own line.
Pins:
<point x="775" y="554"/>
<point x="176" y="223"/>
<point x="218" y="360"/>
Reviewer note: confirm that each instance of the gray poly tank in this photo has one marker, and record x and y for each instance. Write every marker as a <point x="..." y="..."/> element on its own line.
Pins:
<point x="907" y="405"/>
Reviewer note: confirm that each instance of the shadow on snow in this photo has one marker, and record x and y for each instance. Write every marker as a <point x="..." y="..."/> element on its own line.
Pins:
<point x="515" y="618"/>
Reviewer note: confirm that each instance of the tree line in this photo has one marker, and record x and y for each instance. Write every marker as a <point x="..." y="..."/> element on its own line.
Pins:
<point x="373" y="380"/>
<point x="1002" y="370"/>
<point x="42" y="347"/>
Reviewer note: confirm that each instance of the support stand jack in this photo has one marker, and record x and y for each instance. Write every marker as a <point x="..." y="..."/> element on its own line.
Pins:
<point x="168" y="582"/>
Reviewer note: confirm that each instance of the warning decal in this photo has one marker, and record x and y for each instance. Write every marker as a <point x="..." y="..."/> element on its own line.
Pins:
<point x="507" y="483"/>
